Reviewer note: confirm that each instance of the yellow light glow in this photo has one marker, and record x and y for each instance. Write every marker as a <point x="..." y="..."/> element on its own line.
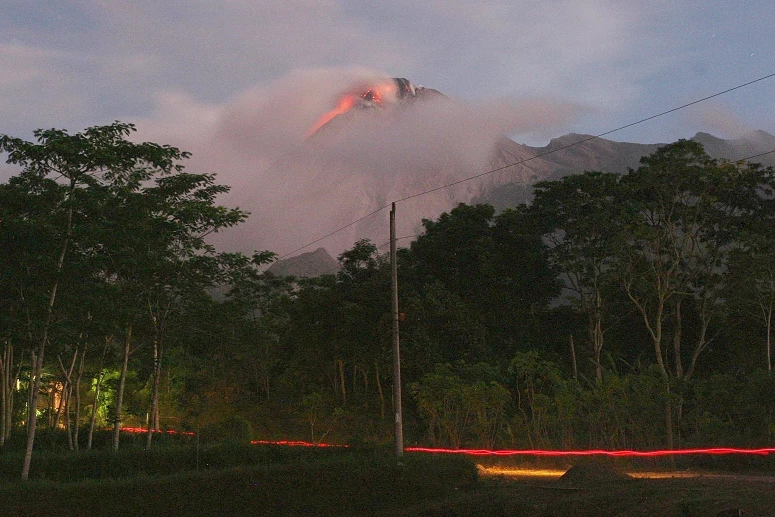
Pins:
<point x="520" y="472"/>
<point x="557" y="473"/>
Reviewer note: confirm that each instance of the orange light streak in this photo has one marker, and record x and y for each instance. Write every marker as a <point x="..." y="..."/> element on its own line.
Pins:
<point x="520" y="472"/>
<point x="557" y="473"/>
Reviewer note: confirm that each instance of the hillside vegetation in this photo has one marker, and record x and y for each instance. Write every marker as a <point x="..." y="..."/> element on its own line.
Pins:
<point x="614" y="311"/>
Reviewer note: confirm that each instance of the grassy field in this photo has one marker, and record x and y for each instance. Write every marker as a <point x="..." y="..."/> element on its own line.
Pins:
<point x="231" y="480"/>
<point x="272" y="480"/>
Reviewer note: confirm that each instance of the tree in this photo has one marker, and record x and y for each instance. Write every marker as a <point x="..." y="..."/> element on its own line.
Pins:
<point x="537" y="383"/>
<point x="72" y="169"/>
<point x="495" y="266"/>
<point x="180" y="265"/>
<point x="751" y="288"/>
<point x="684" y="211"/>
<point x="339" y="329"/>
<point x="581" y="214"/>
<point x="457" y="400"/>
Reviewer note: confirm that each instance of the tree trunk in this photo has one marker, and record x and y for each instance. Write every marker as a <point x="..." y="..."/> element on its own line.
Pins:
<point x="768" y="318"/>
<point x="55" y="416"/>
<point x="677" y="340"/>
<point x="669" y="418"/>
<point x="77" y="388"/>
<point x="4" y="373"/>
<point x="573" y="358"/>
<point x="68" y="420"/>
<point x="121" y="385"/>
<point x="379" y="390"/>
<point x="98" y="385"/>
<point x="266" y="368"/>
<point x="597" y="337"/>
<point x="33" y="362"/>
<point x="153" y="413"/>
<point x="8" y="379"/>
<point x="32" y="420"/>
<point x="64" y="401"/>
<point x="341" y="381"/>
<point x="32" y="413"/>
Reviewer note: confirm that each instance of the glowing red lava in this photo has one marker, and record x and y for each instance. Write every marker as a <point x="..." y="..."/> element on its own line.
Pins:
<point x="344" y="105"/>
<point x="367" y="96"/>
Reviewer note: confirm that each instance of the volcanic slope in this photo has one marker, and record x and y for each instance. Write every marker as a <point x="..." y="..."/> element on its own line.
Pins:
<point x="393" y="141"/>
<point x="575" y="153"/>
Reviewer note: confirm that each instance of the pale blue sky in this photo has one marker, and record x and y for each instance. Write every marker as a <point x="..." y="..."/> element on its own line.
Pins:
<point x="75" y="63"/>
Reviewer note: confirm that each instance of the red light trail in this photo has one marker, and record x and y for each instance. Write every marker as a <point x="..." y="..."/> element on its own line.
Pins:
<point x="715" y="451"/>
<point x="297" y="443"/>
<point x="141" y="430"/>
<point x="593" y="452"/>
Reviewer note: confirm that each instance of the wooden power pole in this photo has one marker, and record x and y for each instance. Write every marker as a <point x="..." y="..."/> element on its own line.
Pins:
<point x="399" y="431"/>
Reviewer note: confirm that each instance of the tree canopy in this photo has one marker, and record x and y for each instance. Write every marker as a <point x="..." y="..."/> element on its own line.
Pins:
<point x="613" y="311"/>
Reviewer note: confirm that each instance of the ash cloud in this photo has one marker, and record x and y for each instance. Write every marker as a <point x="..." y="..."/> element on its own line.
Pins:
<point x="299" y="189"/>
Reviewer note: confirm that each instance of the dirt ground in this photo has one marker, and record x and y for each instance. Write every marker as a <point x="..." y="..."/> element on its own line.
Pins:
<point x="588" y="490"/>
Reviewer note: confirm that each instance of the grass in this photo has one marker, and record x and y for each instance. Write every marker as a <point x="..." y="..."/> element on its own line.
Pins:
<point x="269" y="480"/>
<point x="255" y="480"/>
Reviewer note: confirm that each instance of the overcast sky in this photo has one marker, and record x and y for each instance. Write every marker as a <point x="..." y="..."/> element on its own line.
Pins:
<point x="73" y="63"/>
<point x="193" y="73"/>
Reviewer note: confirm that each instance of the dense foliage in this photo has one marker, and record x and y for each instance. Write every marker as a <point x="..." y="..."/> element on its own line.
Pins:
<point x="614" y="311"/>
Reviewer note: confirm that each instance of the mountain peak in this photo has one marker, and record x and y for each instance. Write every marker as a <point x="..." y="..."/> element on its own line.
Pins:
<point x="761" y="136"/>
<point x="308" y="265"/>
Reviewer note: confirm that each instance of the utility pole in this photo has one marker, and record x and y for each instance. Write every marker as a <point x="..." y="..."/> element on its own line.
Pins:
<point x="399" y="431"/>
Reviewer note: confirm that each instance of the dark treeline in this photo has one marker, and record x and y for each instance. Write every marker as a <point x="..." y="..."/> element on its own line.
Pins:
<point x="614" y="311"/>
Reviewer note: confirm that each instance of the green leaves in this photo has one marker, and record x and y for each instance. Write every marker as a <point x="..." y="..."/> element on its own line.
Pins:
<point x="99" y="154"/>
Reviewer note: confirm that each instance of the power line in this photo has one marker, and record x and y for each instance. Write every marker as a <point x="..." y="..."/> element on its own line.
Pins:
<point x="587" y="139"/>
<point x="334" y="232"/>
<point x="520" y="162"/>
<point x="398" y="239"/>
<point x="757" y="155"/>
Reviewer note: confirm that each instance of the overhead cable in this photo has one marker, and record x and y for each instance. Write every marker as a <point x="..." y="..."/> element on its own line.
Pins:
<point x="520" y="162"/>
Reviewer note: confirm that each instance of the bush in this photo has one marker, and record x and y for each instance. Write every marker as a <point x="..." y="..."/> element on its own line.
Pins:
<point x="233" y="428"/>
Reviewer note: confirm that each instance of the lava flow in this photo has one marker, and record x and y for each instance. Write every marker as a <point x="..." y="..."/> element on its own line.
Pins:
<point x="345" y="104"/>
<point x="367" y="96"/>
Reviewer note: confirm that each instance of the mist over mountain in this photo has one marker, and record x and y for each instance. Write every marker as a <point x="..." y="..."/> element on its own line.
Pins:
<point x="318" y="156"/>
<point x="301" y="184"/>
<point x="512" y="186"/>
<point x="575" y="153"/>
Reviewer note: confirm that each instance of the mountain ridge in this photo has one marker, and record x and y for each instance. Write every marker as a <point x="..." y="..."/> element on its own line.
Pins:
<point x="575" y="153"/>
<point x="534" y="164"/>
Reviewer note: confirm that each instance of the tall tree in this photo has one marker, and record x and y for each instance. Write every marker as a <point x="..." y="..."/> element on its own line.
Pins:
<point x="751" y="287"/>
<point x="179" y="265"/>
<point x="581" y="214"/>
<point x="74" y="167"/>
<point x="684" y="211"/>
<point x="494" y="265"/>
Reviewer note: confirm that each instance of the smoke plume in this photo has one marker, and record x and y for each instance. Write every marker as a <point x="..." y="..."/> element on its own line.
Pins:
<point x="299" y="188"/>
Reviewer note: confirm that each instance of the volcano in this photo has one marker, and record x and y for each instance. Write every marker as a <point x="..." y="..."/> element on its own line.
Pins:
<point x="375" y="95"/>
<point x="376" y="140"/>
